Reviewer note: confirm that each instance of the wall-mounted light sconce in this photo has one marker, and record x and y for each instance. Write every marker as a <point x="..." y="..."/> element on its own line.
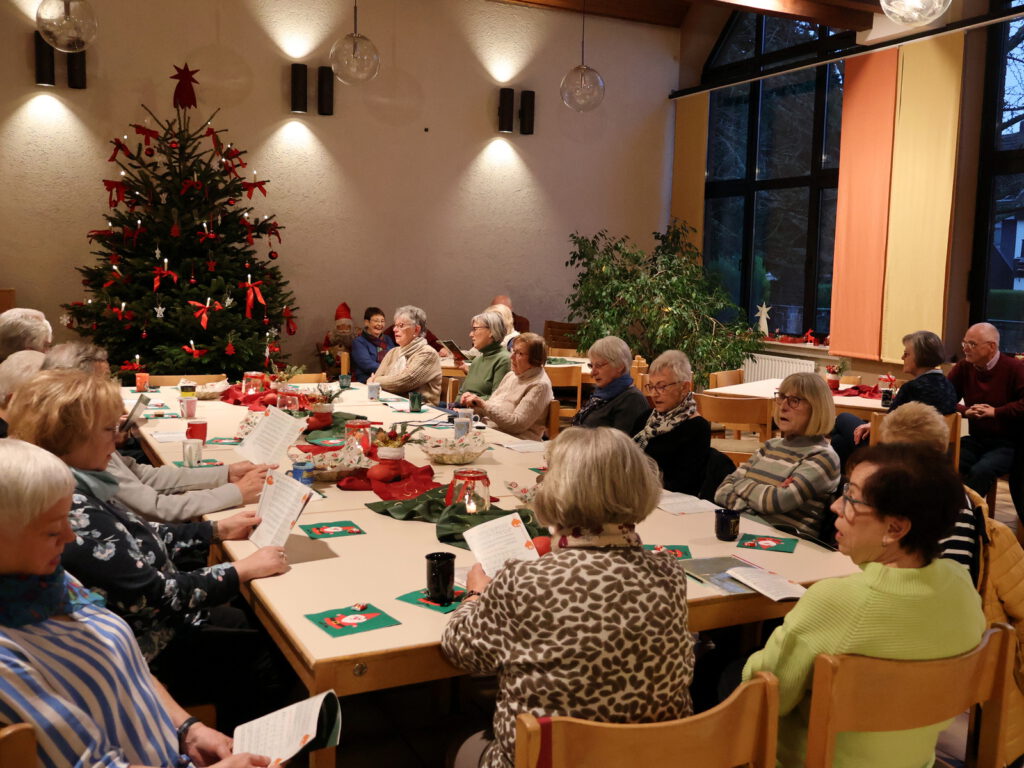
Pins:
<point x="506" y="110"/>
<point x="76" y="70"/>
<point x="45" y="74"/>
<point x="324" y="91"/>
<point x="526" y="102"/>
<point x="298" y="88"/>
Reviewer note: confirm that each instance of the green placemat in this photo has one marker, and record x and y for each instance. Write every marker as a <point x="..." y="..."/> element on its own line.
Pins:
<point x="767" y="543"/>
<point x="419" y="597"/>
<point x="678" y="551"/>
<point x="332" y="530"/>
<point x="352" y="620"/>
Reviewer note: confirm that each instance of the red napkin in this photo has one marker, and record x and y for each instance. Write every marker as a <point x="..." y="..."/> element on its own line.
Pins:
<point x="871" y="392"/>
<point x="411" y="482"/>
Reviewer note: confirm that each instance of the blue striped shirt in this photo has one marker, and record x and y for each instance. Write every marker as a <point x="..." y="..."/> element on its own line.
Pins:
<point x="87" y="690"/>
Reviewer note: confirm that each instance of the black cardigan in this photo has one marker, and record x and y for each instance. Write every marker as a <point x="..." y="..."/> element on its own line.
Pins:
<point x="682" y="455"/>
<point x="622" y="412"/>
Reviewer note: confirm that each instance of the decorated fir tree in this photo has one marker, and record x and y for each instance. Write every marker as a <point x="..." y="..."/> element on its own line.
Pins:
<point x="185" y="279"/>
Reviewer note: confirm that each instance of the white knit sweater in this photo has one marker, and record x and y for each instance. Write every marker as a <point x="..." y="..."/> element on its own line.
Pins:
<point x="519" y="406"/>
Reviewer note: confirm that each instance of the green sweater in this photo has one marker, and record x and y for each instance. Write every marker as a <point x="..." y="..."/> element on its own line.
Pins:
<point x="890" y="613"/>
<point x="486" y="371"/>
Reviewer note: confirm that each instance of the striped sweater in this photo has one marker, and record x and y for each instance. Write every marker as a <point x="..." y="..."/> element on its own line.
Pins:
<point x="788" y="481"/>
<point x="87" y="690"/>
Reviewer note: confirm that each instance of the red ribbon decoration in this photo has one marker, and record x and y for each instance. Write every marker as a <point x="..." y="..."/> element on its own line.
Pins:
<point x="119" y="146"/>
<point x="115" y="191"/>
<point x="214" y="138"/>
<point x="252" y="292"/>
<point x="190" y="184"/>
<point x="114" y="277"/>
<point x="272" y="231"/>
<point x="196" y="353"/>
<point x="94" y="233"/>
<point x="289" y="321"/>
<point x="252" y="186"/>
<point x="145" y="133"/>
<point x="129" y="365"/>
<point x="205" y="235"/>
<point x="230" y="168"/>
<point x="203" y="310"/>
<point x="249" y="228"/>
<point x="159" y="273"/>
<point x="235" y="155"/>
<point x="130" y="233"/>
<point x="117" y="311"/>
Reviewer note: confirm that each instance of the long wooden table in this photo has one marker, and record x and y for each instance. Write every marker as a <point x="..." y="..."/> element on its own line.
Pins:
<point x="862" y="407"/>
<point x="389" y="561"/>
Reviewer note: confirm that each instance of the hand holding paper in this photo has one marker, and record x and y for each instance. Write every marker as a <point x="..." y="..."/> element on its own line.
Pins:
<point x="281" y="503"/>
<point x="500" y="540"/>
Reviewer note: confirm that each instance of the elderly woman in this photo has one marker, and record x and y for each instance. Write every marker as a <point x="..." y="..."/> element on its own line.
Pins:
<point x="15" y="371"/>
<point x="922" y="355"/>
<point x="23" y="328"/>
<point x="413" y="366"/>
<point x="597" y="629"/>
<point x="519" y="406"/>
<point x="370" y="346"/>
<point x="489" y="367"/>
<point x="790" y="479"/>
<point x="510" y="330"/>
<point x="69" y="666"/>
<point x="615" y="402"/>
<point x="906" y="603"/>
<point x="675" y="435"/>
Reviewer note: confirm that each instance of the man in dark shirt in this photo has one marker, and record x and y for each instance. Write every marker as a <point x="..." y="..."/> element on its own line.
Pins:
<point x="992" y="387"/>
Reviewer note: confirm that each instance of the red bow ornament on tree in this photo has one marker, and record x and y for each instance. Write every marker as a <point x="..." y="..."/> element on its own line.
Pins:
<point x="131" y="233"/>
<point x="188" y="184"/>
<point x="273" y="231"/>
<point x="289" y="321"/>
<point x="159" y="273"/>
<point x="252" y="294"/>
<point x="203" y="309"/>
<point x="116" y="190"/>
<point x="146" y="133"/>
<point x="184" y="93"/>
<point x="115" y="275"/>
<point x="252" y="186"/>
<point x="249" y="228"/>
<point x="119" y="146"/>
<point x="191" y="350"/>
<point x="213" y="137"/>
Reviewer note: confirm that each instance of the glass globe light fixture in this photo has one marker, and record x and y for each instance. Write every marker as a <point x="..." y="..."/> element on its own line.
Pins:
<point x="354" y="58"/>
<point x="582" y="88"/>
<point x="67" y="25"/>
<point x="914" y="13"/>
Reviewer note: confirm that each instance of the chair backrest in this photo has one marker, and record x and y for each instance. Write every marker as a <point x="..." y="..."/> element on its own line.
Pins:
<point x="18" y="746"/>
<point x="554" y="419"/>
<point x="567" y="376"/>
<point x="860" y="693"/>
<point x="561" y="335"/>
<point x="450" y="388"/>
<point x="750" y="414"/>
<point x="742" y="729"/>
<point x="171" y="380"/>
<point x="952" y="421"/>
<point x="725" y="378"/>
<point x="308" y="378"/>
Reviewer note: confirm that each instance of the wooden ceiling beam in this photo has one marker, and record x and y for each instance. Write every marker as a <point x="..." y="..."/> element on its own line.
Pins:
<point x="806" y="10"/>
<point x="665" y="13"/>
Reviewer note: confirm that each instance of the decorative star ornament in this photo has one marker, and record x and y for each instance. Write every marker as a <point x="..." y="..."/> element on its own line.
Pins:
<point x="65" y="320"/>
<point x="159" y="311"/>
<point x="228" y="301"/>
<point x="762" y="318"/>
<point x="184" y="93"/>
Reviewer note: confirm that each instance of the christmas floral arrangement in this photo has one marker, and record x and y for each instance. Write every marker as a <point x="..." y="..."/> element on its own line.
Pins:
<point x="837" y="368"/>
<point x="455" y="450"/>
<point x="395" y="437"/>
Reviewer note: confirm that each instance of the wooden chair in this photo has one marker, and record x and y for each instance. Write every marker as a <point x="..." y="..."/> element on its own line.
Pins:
<point x="560" y="352"/>
<point x="554" y="419"/>
<point x="953" y="421"/>
<point x="450" y="388"/>
<point x="308" y="378"/>
<point x="638" y="369"/>
<point x="561" y="335"/>
<point x="171" y="380"/>
<point x="749" y="414"/>
<point x="860" y="693"/>
<point x="725" y="378"/>
<point x="18" y="746"/>
<point x="567" y="376"/>
<point x="741" y="730"/>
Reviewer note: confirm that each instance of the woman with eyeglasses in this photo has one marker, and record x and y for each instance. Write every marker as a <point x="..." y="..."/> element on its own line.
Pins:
<point x="906" y="603"/>
<point x="412" y="366"/>
<point x="674" y="434"/>
<point x="489" y="367"/>
<point x="790" y="480"/>
<point x="615" y="401"/>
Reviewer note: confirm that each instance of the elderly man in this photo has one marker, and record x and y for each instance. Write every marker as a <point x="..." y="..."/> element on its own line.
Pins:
<point x="14" y="371"/>
<point x="992" y="388"/>
<point x="23" y="328"/>
<point x="519" y="322"/>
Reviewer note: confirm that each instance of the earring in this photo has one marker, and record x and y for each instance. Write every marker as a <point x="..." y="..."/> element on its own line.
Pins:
<point x="886" y="541"/>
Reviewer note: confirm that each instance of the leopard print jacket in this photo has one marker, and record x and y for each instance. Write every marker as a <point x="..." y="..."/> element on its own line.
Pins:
<point x="598" y="633"/>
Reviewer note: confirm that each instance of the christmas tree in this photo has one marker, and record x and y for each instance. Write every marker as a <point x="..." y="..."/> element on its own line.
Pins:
<point x="185" y="279"/>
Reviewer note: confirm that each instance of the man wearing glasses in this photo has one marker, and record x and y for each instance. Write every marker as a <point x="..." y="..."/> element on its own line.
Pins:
<point x="992" y="388"/>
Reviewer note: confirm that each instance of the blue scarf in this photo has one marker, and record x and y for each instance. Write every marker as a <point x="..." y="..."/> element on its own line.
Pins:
<point x="99" y="484"/>
<point x="603" y="394"/>
<point x="28" y="599"/>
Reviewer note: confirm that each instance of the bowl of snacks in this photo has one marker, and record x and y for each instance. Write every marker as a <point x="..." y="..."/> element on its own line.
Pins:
<point x="454" y="450"/>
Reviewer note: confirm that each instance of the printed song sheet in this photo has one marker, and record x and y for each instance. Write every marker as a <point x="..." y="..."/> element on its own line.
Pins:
<point x="281" y="734"/>
<point x="281" y="503"/>
<point x="500" y="540"/>
<point x="684" y="504"/>
<point x="269" y="440"/>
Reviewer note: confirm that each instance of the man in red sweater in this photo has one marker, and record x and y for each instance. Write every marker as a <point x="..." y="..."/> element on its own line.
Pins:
<point x="992" y="387"/>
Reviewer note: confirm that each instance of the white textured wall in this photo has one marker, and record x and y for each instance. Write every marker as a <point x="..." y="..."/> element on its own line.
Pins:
<point x="405" y="195"/>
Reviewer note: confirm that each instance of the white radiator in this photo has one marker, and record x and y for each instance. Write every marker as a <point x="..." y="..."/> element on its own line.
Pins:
<point x="761" y="367"/>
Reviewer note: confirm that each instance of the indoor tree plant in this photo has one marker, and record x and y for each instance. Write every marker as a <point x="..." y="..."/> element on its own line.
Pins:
<point x="655" y="301"/>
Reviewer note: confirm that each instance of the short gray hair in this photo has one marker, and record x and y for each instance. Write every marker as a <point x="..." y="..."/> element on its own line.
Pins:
<point x="34" y="480"/>
<point x="614" y="350"/>
<point x="596" y="476"/>
<point x="414" y="315"/>
<point x="675" y="361"/>
<point x="23" y="328"/>
<point x="495" y="325"/>
<point x="75" y="354"/>
<point x="16" y="370"/>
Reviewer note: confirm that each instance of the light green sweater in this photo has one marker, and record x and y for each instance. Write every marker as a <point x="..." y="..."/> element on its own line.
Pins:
<point x="890" y="613"/>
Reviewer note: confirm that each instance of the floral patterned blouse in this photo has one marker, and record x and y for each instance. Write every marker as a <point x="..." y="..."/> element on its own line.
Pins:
<point x="153" y="575"/>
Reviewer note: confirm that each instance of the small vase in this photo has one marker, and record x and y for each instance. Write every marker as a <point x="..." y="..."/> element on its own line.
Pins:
<point x="832" y="380"/>
<point x="390" y="453"/>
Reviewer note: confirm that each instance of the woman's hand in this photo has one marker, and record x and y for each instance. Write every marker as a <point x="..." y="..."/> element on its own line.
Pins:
<point x="266" y="561"/>
<point x="861" y="433"/>
<point x="244" y="760"/>
<point x="240" y="469"/>
<point x="250" y="485"/>
<point x="205" y="746"/>
<point x="471" y="400"/>
<point x="237" y="527"/>
<point x="477" y="580"/>
<point x="463" y="366"/>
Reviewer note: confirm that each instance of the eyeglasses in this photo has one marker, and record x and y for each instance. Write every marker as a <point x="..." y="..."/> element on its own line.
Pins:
<point x="972" y="344"/>
<point x="793" y="401"/>
<point x="657" y="389"/>
<point x="849" y="510"/>
<point x="401" y="326"/>
<point x="596" y="365"/>
<point x="477" y="328"/>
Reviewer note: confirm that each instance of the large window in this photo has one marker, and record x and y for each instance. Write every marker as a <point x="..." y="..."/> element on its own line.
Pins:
<point x="773" y="169"/>
<point x="998" y="286"/>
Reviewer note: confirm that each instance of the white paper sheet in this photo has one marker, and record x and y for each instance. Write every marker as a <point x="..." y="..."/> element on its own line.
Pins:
<point x="281" y="734"/>
<point x="527" y="446"/>
<point x="500" y="540"/>
<point x="169" y="437"/>
<point x="269" y="440"/>
<point x="281" y="503"/>
<point x="768" y="583"/>
<point x="684" y="504"/>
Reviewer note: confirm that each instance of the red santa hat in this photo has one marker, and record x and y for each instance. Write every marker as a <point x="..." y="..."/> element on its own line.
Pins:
<point x="342" y="312"/>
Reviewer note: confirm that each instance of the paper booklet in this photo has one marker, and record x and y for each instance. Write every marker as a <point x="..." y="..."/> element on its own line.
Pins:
<point x="684" y="503"/>
<point x="500" y="540"/>
<point x="269" y="440"/>
<point x="714" y="570"/>
<point x="281" y="503"/>
<point x="311" y="724"/>
<point x="769" y="584"/>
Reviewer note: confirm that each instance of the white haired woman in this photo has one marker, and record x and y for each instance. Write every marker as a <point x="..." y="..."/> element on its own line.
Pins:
<point x="489" y="367"/>
<point x="790" y="480"/>
<point x="615" y="402"/>
<point x="15" y="371"/>
<point x="598" y="628"/>
<point x="412" y="366"/>
<point x="674" y="434"/>
<point x="519" y="406"/>
<point x="23" y="328"/>
<point x="69" y="666"/>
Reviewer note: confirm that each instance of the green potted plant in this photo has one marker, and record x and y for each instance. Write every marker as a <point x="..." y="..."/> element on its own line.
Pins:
<point x="655" y="301"/>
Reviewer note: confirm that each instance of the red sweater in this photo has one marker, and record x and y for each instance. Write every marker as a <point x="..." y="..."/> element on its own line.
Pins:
<point x="1002" y="388"/>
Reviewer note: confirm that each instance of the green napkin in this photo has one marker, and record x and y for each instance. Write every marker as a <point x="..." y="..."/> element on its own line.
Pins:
<point x="337" y="429"/>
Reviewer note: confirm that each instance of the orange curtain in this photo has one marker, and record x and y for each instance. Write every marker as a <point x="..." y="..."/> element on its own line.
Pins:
<point x="862" y="212"/>
<point x="690" y="162"/>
